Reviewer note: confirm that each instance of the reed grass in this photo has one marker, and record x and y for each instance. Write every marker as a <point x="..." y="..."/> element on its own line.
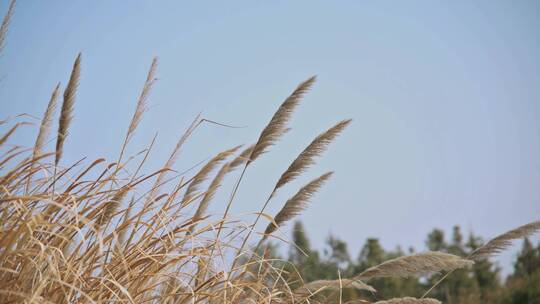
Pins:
<point x="5" y="25"/>
<point x="75" y="237"/>
<point x="66" y="114"/>
<point x="92" y="233"/>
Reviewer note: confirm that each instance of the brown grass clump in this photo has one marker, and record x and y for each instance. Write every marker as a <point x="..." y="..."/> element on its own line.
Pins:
<point x="83" y="241"/>
<point x="93" y="233"/>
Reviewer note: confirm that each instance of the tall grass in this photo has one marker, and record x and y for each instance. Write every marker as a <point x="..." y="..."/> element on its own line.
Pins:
<point x="91" y="232"/>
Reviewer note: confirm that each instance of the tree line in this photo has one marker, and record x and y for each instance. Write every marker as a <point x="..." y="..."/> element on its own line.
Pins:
<point x="482" y="283"/>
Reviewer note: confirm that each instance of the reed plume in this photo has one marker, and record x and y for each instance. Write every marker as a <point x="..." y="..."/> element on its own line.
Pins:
<point x="278" y="124"/>
<point x="10" y="132"/>
<point x="503" y="241"/>
<point x="314" y="149"/>
<point x="5" y="25"/>
<point x="296" y="204"/>
<point x="172" y="159"/>
<point x="268" y="137"/>
<point x="304" y="160"/>
<point x="142" y="105"/>
<point x="416" y="265"/>
<point x="216" y="183"/>
<point x="66" y="114"/>
<point x="409" y="300"/>
<point x="494" y="246"/>
<point x="334" y="285"/>
<point x="241" y="159"/>
<point x="110" y="207"/>
<point x="46" y="122"/>
<point x="203" y="174"/>
<point x="211" y="191"/>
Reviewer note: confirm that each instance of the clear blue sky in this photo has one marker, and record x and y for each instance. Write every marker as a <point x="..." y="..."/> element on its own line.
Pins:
<point x="445" y="99"/>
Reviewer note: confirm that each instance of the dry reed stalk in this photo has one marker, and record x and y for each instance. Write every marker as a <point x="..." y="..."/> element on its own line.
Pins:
<point x="278" y="124"/>
<point x="202" y="175"/>
<point x="214" y="185"/>
<point x="268" y="137"/>
<point x="10" y="132"/>
<point x="172" y="158"/>
<point x="46" y="122"/>
<point x="216" y="182"/>
<point x="308" y="155"/>
<point x="142" y="106"/>
<point x="302" y="162"/>
<point x="416" y="265"/>
<point x="149" y="200"/>
<point x="44" y="128"/>
<point x="5" y="25"/>
<point x="66" y="114"/>
<point x="63" y="251"/>
<point x="293" y="207"/>
<point x="409" y="300"/>
<point x="241" y="159"/>
<point x="503" y="241"/>
<point x="319" y="285"/>
<point x="296" y="204"/>
<point x="110" y="207"/>
<point x="494" y="246"/>
<point x="210" y="192"/>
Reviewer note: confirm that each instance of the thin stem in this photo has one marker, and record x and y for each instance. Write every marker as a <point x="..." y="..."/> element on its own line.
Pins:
<point x="436" y="284"/>
<point x="251" y="231"/>
<point x="226" y="213"/>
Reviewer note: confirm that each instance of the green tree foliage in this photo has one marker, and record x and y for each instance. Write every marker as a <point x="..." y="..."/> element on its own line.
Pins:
<point x="523" y="286"/>
<point x="373" y="254"/>
<point x="462" y="286"/>
<point x="479" y="284"/>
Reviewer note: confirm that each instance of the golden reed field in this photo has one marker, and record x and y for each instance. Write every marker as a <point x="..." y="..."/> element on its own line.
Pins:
<point x="100" y="231"/>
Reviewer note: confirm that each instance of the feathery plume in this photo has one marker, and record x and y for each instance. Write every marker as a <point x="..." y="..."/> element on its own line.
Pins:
<point x="314" y="149"/>
<point x="10" y="132"/>
<point x="334" y="285"/>
<point x="504" y="240"/>
<point x="112" y="205"/>
<point x="495" y="246"/>
<point x="409" y="300"/>
<point x="176" y="151"/>
<point x="66" y="114"/>
<point x="241" y="159"/>
<point x="297" y="203"/>
<point x="277" y="125"/>
<point x="172" y="159"/>
<point x="416" y="265"/>
<point x="5" y="25"/>
<point x="214" y="185"/>
<point x="125" y="220"/>
<point x="142" y="103"/>
<point x="203" y="174"/>
<point x="46" y="122"/>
